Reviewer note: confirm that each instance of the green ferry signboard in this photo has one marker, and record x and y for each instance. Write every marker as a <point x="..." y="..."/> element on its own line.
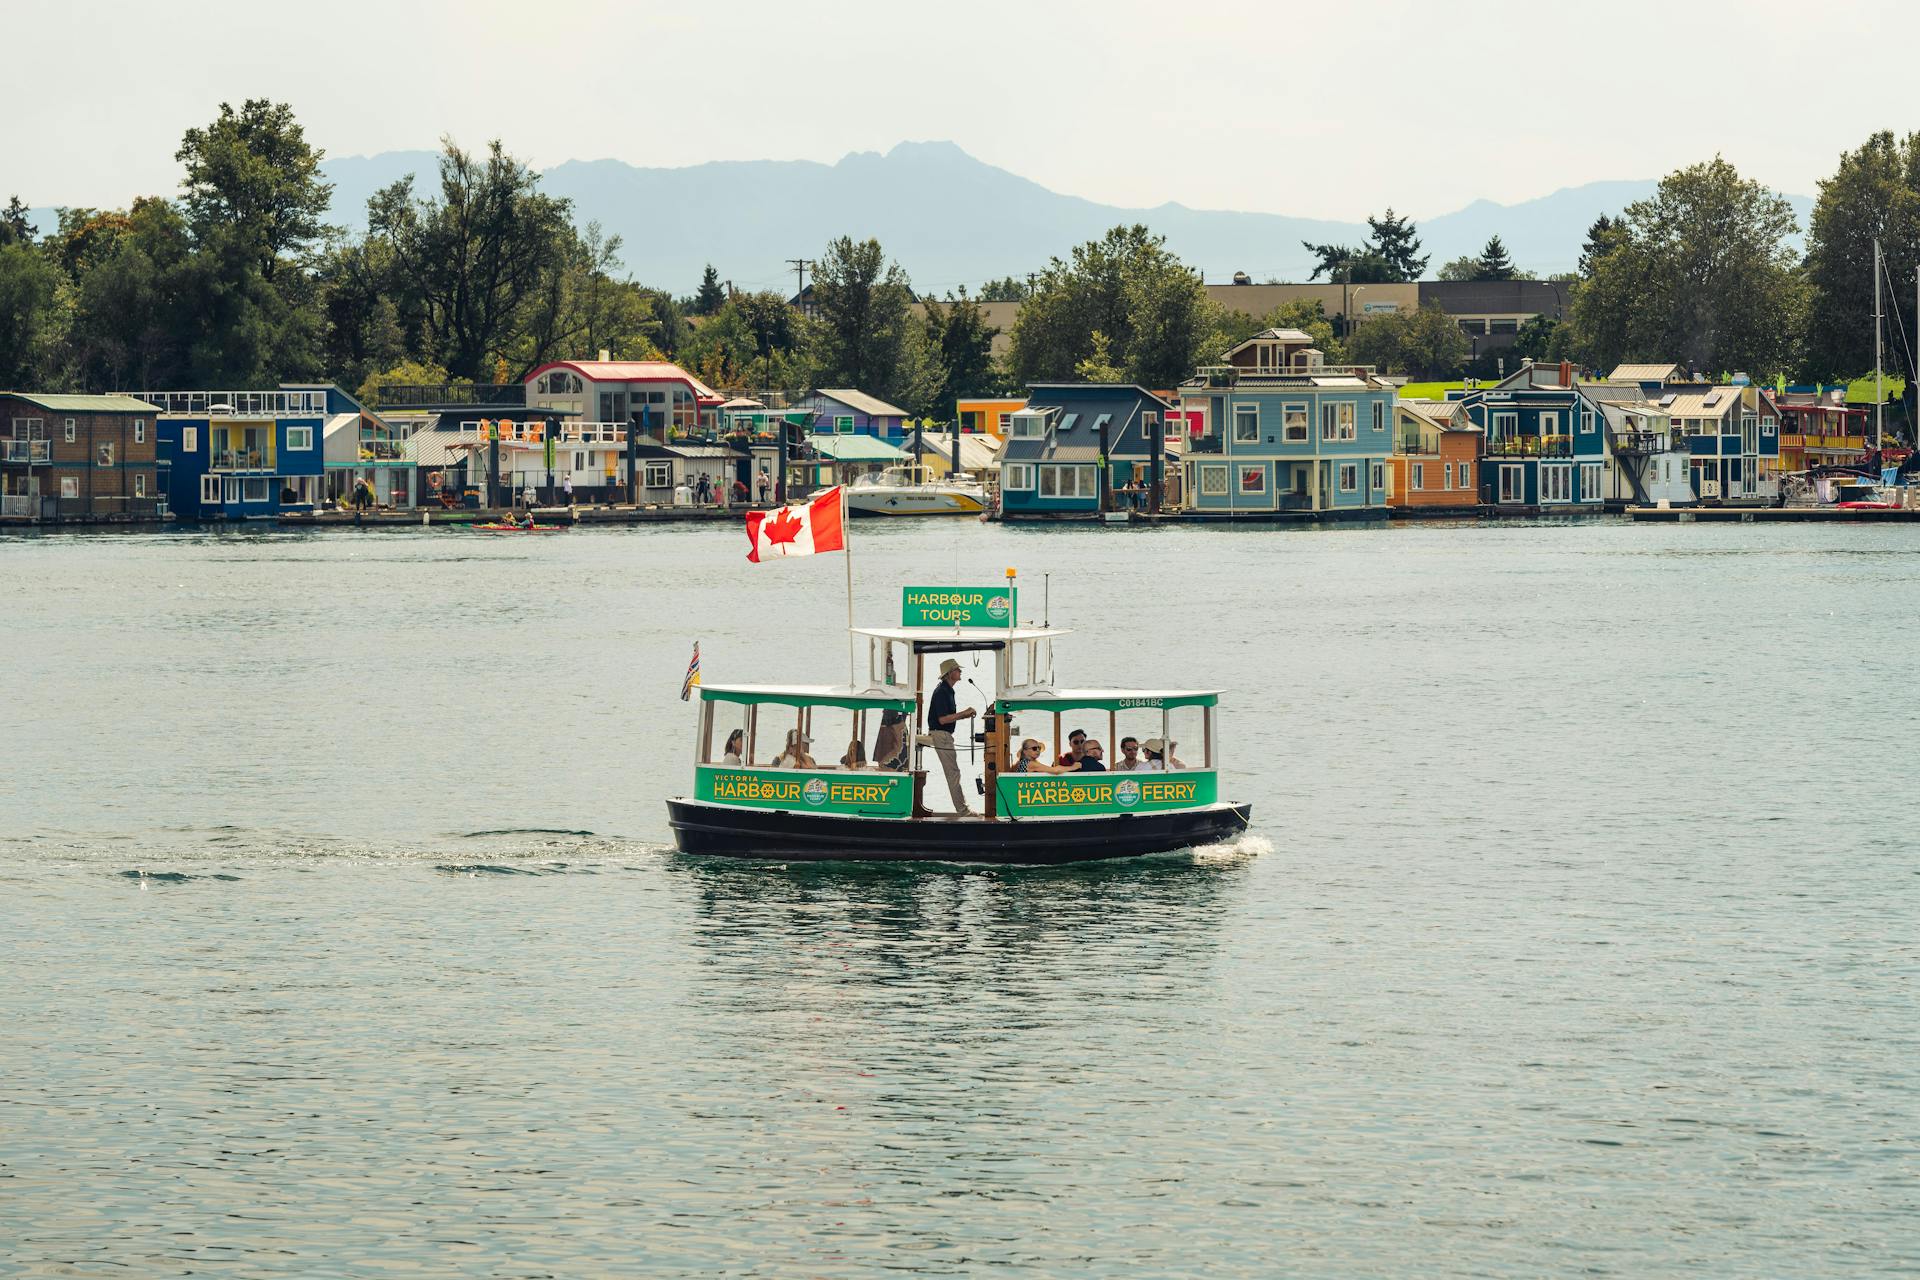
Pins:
<point x="1060" y="795"/>
<point x="958" y="606"/>
<point x="829" y="791"/>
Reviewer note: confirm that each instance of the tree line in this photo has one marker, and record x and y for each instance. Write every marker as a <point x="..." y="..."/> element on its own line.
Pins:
<point x="476" y="274"/>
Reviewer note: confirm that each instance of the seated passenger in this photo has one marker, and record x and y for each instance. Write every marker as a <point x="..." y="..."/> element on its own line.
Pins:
<point x="856" y="757"/>
<point x="736" y="743"/>
<point x="1092" y="757"/>
<point x="1160" y="757"/>
<point x="1075" y="741"/>
<point x="795" y="756"/>
<point x="1029" y="760"/>
<point x="1129" y="756"/>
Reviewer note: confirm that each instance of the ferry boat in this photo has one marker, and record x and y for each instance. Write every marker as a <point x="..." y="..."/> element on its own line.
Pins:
<point x="912" y="491"/>
<point x="804" y="772"/>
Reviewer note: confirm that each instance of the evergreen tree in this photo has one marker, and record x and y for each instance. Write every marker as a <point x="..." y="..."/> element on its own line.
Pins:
<point x="1344" y="264"/>
<point x="1494" y="264"/>
<point x="1602" y="237"/>
<point x="1396" y="244"/>
<point x="14" y="227"/>
<point x="710" y="296"/>
<point x="1873" y="195"/>
<point x="861" y="302"/>
<point x="252" y="172"/>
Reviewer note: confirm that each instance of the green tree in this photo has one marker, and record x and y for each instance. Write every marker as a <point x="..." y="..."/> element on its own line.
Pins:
<point x="861" y="301"/>
<point x="130" y="318"/>
<point x="1127" y="286"/>
<point x="15" y="228"/>
<point x="710" y="297"/>
<point x="31" y="326"/>
<point x="581" y="307"/>
<point x="252" y="171"/>
<point x="1005" y="289"/>
<point x="476" y="257"/>
<point x="1344" y="264"/>
<point x="1701" y="273"/>
<point x="1542" y="338"/>
<point x="364" y="329"/>
<point x="1602" y="237"/>
<point x="964" y="340"/>
<point x="1395" y="243"/>
<point x="1426" y="343"/>
<point x="1464" y="267"/>
<point x="1493" y="263"/>
<point x="1874" y="194"/>
<point x="1099" y="365"/>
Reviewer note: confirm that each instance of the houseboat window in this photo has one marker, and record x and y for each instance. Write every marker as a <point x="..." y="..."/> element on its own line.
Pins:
<point x="1338" y="421"/>
<point x="1349" y="477"/>
<point x="1379" y="475"/>
<point x="1549" y="424"/>
<point x="1379" y="415"/>
<point x="1506" y="425"/>
<point x="69" y="486"/>
<point x="1105" y="419"/>
<point x="1173" y="431"/>
<point x="1213" y="480"/>
<point x="299" y="438"/>
<point x="1149" y="423"/>
<point x="1016" y="475"/>
<point x="843" y="424"/>
<point x="140" y="430"/>
<point x="69" y="430"/>
<point x="1420" y="475"/>
<point x="1246" y="424"/>
<point x="1295" y="418"/>
<point x="104" y="454"/>
<point x="1253" y="480"/>
<point x="1589" y="482"/>
<point x="139" y="484"/>
<point x="657" y="475"/>
<point x="1066" y="422"/>
<point x="1555" y="481"/>
<point x="257" y="489"/>
<point x="1513" y="483"/>
<point x="1003" y="422"/>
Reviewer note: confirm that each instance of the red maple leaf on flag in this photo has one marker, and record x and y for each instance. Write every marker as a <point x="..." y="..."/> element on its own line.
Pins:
<point x="782" y="528"/>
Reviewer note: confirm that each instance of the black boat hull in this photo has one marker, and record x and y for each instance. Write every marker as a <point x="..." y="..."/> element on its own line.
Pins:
<point x="787" y="836"/>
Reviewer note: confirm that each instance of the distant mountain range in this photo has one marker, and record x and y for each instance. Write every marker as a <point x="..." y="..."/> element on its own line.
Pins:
<point x="950" y="219"/>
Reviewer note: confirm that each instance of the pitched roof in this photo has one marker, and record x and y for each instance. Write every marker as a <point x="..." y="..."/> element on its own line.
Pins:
<point x="1693" y="404"/>
<point x="1642" y="372"/>
<point x="872" y="406"/>
<point x="84" y="404"/>
<point x="856" y="447"/>
<point x="978" y="450"/>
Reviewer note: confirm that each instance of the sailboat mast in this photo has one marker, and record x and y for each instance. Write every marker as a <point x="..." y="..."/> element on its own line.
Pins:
<point x="1879" y="397"/>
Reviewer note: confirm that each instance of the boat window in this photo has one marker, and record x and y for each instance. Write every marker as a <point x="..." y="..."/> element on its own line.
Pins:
<point x="866" y="739"/>
<point x="724" y="721"/>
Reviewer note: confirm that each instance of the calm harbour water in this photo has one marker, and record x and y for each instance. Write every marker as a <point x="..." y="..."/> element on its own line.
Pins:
<point x="1576" y="935"/>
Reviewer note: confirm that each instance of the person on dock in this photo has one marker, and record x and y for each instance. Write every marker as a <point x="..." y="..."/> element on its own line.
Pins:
<point x="703" y="493"/>
<point x="943" y="717"/>
<point x="566" y="489"/>
<point x="765" y="482"/>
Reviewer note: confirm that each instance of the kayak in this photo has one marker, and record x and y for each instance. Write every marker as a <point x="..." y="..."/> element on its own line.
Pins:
<point x="497" y="527"/>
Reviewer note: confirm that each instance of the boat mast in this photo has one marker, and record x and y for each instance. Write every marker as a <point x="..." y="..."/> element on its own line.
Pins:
<point x="1879" y="398"/>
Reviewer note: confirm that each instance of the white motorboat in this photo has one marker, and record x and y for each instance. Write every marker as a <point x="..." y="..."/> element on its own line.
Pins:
<point x="912" y="491"/>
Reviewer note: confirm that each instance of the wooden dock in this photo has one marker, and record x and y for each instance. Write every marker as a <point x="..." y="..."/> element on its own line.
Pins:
<point x="434" y="517"/>
<point x="1771" y="515"/>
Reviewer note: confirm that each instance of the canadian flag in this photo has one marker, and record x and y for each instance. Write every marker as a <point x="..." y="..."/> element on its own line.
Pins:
<point x="802" y="530"/>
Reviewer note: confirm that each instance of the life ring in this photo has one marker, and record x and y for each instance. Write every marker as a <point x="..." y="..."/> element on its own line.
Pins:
<point x="435" y="480"/>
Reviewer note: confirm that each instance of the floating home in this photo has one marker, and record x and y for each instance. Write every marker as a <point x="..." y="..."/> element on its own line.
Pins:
<point x="1435" y="465"/>
<point x="79" y="458"/>
<point x="1050" y="463"/>
<point x="247" y="455"/>
<point x="1282" y="431"/>
<point x="1544" y="444"/>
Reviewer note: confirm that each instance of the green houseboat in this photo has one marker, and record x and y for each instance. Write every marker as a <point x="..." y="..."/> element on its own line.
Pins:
<point x="842" y="772"/>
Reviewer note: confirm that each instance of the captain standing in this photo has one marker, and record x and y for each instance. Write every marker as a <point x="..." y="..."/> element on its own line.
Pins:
<point x="942" y="718"/>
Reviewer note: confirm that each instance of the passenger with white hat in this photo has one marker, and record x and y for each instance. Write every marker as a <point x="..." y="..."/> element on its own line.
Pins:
<point x="943" y="717"/>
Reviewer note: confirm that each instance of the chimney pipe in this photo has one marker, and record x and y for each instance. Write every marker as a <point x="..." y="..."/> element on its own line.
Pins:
<point x="605" y="355"/>
<point x="1566" y="373"/>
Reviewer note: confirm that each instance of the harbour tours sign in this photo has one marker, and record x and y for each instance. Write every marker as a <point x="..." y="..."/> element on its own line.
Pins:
<point x="957" y="606"/>
<point x="870" y="794"/>
<point x="1068" y="794"/>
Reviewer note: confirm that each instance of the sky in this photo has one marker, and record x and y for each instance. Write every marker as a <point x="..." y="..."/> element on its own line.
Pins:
<point x="1330" y="110"/>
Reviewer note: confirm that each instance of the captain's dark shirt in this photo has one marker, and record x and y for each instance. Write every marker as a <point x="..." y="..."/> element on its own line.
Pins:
<point x="940" y="706"/>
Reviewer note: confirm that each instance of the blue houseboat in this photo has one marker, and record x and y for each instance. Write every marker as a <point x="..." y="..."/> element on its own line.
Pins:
<point x="1545" y="444"/>
<point x="246" y="455"/>
<point x="845" y="411"/>
<point x="1050" y="464"/>
<point x="1280" y="430"/>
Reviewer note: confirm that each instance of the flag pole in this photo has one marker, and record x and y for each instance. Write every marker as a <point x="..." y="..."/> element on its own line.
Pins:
<point x="846" y="538"/>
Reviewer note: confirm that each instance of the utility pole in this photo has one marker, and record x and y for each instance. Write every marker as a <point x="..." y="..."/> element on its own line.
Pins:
<point x="800" y="266"/>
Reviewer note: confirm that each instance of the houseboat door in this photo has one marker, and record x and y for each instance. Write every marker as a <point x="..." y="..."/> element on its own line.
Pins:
<point x="1512" y="483"/>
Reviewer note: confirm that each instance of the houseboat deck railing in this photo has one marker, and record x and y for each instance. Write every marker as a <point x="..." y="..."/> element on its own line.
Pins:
<point x="27" y="451"/>
<point x="1422" y="445"/>
<point x="1640" y="442"/>
<point x="1530" y="447"/>
<point x="240" y="404"/>
<point x="19" y="504"/>
<point x="570" y="433"/>
<point x="239" y="460"/>
<point x="399" y="395"/>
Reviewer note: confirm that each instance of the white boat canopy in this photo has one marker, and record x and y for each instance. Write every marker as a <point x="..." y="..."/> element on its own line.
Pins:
<point x="1110" y="699"/>
<point x="808" y="695"/>
<point x="967" y="635"/>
